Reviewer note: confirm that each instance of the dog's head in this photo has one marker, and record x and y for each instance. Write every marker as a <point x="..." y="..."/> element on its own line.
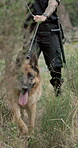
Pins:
<point x="28" y="78"/>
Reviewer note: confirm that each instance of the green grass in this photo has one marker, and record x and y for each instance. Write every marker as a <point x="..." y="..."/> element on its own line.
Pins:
<point x="56" y="126"/>
<point x="56" y="123"/>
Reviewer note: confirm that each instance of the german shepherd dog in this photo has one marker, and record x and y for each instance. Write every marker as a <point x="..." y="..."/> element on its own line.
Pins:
<point x="27" y="94"/>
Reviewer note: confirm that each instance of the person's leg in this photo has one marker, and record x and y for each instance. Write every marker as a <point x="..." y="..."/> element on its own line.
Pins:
<point x="56" y="80"/>
<point x="51" y="49"/>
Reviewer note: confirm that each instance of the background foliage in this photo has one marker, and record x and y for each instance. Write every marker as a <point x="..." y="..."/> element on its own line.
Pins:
<point x="72" y="8"/>
<point x="57" y="118"/>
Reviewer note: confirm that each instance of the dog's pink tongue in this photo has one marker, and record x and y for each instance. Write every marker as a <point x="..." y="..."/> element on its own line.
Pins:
<point x="23" y="99"/>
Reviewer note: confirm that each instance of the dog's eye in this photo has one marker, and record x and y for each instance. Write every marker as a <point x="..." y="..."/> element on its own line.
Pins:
<point x="30" y="75"/>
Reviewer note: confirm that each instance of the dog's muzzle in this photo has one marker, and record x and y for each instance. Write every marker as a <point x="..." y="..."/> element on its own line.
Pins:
<point x="24" y="89"/>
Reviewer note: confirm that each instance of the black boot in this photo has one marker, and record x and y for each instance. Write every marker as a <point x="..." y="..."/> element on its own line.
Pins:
<point x="56" y="83"/>
<point x="56" y="80"/>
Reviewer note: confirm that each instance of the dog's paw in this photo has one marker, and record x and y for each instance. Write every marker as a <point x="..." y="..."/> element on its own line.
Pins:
<point x="25" y="131"/>
<point x="31" y="131"/>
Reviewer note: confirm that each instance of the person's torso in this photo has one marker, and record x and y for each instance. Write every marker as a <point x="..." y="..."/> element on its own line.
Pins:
<point x="40" y="7"/>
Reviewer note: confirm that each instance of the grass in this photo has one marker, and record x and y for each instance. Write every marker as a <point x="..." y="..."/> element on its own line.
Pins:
<point x="57" y="118"/>
<point x="56" y="127"/>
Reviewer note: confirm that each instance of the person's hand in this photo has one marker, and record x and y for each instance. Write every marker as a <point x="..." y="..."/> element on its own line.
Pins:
<point x="39" y="18"/>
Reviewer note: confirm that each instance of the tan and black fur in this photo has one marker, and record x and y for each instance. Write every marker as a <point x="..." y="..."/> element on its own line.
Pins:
<point x="28" y="79"/>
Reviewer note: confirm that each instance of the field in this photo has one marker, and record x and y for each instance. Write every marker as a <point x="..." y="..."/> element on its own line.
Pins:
<point x="57" y="117"/>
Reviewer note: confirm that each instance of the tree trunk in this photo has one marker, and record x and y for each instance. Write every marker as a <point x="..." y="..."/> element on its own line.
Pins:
<point x="64" y="17"/>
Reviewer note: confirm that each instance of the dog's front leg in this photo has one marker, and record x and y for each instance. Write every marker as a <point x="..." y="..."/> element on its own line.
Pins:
<point x="20" y="122"/>
<point x="32" y="115"/>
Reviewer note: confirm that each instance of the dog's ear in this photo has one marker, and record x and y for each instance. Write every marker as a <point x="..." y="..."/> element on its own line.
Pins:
<point x="34" y="62"/>
<point x="34" y="59"/>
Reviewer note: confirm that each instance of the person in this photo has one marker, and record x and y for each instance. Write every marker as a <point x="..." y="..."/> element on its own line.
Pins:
<point x="47" y="39"/>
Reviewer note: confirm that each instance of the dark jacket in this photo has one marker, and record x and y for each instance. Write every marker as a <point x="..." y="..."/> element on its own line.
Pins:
<point x="38" y="8"/>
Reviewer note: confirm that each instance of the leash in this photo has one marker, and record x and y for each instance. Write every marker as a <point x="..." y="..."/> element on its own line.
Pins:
<point x="31" y="44"/>
<point x="34" y="35"/>
<point x="29" y="9"/>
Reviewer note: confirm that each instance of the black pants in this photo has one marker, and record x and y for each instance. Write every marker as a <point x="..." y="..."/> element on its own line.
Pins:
<point x="48" y="42"/>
